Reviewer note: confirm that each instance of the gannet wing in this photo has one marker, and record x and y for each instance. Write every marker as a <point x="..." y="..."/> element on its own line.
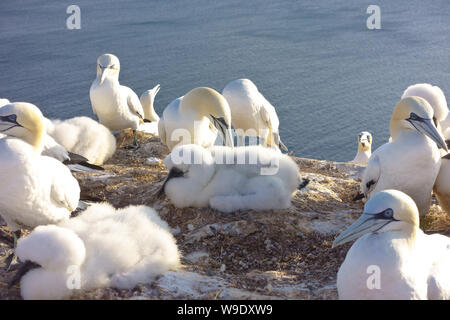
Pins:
<point x="54" y="149"/>
<point x="439" y="279"/>
<point x="65" y="190"/>
<point x="371" y="175"/>
<point x="134" y="104"/>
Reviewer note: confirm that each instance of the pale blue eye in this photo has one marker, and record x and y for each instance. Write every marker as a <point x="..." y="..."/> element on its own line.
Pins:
<point x="388" y="213"/>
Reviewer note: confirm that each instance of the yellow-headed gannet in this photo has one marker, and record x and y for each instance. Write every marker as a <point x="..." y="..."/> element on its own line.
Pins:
<point x="196" y="118"/>
<point x="35" y="189"/>
<point x="364" y="148"/>
<point x="116" y="106"/>
<point x="393" y="258"/>
<point x="410" y="163"/>
<point x="251" y="113"/>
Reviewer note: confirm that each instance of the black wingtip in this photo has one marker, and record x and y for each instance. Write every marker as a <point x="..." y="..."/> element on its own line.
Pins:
<point x="92" y="166"/>
<point x="304" y="183"/>
<point x="75" y="158"/>
<point x="359" y="196"/>
<point x="147" y="121"/>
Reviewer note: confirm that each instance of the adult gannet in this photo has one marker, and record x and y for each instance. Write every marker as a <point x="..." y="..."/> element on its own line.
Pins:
<point x="410" y="163"/>
<point x="230" y="179"/>
<point x="196" y="118"/>
<point x="364" y="148"/>
<point x="151" y="120"/>
<point x="393" y="258"/>
<point x="116" y="106"/>
<point x="435" y="97"/>
<point x="101" y="247"/>
<point x="251" y="113"/>
<point x="35" y="189"/>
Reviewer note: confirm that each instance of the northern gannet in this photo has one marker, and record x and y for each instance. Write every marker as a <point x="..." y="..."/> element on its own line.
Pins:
<point x="410" y="163"/>
<point x="196" y="118"/>
<point x="230" y="179"/>
<point x="251" y="113"/>
<point x="83" y="136"/>
<point x="393" y="258"/>
<point x="35" y="189"/>
<point x="101" y="247"/>
<point x="364" y="148"/>
<point x="151" y="120"/>
<point x="116" y="106"/>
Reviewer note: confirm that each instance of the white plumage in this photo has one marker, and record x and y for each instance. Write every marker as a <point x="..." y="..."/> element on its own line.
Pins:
<point x="251" y="113"/>
<point x="108" y="247"/>
<point x="253" y="177"/>
<point x="197" y="117"/>
<point x="147" y="100"/>
<point x="116" y="106"/>
<point x="84" y="136"/>
<point x="39" y="189"/>
<point x="393" y="258"/>
<point x="364" y="148"/>
<point x="410" y="163"/>
<point x="434" y="96"/>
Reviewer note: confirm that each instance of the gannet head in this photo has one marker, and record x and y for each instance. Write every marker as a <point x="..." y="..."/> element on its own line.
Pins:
<point x="108" y="65"/>
<point x="415" y="113"/>
<point x="190" y="170"/>
<point x="364" y="141"/>
<point x="388" y="210"/>
<point x="209" y="103"/>
<point x="434" y="96"/>
<point x="25" y="121"/>
<point x="47" y="256"/>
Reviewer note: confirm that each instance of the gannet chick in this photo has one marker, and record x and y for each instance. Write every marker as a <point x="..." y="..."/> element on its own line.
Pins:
<point x="230" y="179"/>
<point x="410" y="163"/>
<point x="251" y="113"/>
<point x="434" y="96"/>
<point x="84" y="136"/>
<point x="116" y="106"/>
<point x="393" y="258"/>
<point x="102" y="247"/>
<point x="196" y="117"/>
<point x="364" y="148"/>
<point x="39" y="189"/>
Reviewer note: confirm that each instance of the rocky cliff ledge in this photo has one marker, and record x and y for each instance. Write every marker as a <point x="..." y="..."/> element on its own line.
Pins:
<point x="283" y="254"/>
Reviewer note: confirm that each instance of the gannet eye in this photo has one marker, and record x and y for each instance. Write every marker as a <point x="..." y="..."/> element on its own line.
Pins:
<point x="414" y="116"/>
<point x="388" y="213"/>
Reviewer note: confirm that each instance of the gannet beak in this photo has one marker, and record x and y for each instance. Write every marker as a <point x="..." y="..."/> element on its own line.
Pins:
<point x="427" y="128"/>
<point x="368" y="222"/>
<point x="224" y="130"/>
<point x="24" y="268"/>
<point x="8" y="122"/>
<point x="103" y="74"/>
<point x="173" y="173"/>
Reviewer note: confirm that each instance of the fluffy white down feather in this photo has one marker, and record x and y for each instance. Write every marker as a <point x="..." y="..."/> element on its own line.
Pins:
<point x="110" y="247"/>
<point x="84" y="136"/>
<point x="231" y="187"/>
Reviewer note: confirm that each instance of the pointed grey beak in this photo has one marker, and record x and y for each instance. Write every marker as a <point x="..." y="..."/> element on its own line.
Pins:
<point x="173" y="173"/>
<point x="224" y="130"/>
<point x="8" y="122"/>
<point x="427" y="128"/>
<point x="367" y="223"/>
<point x="103" y="73"/>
